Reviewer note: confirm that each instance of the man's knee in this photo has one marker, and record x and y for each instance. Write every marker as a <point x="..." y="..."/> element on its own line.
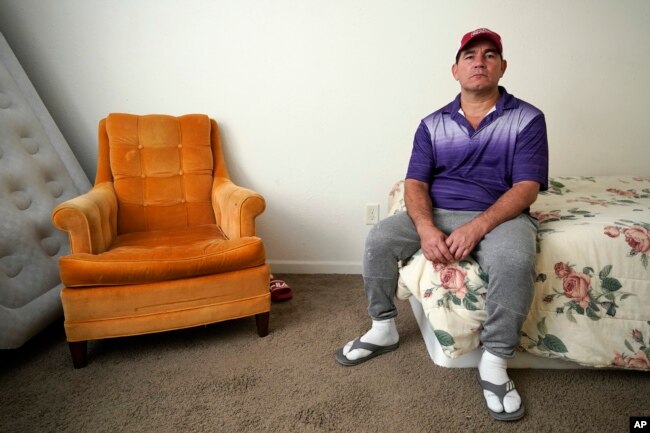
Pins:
<point x="515" y="261"/>
<point x="386" y="233"/>
<point x="378" y="239"/>
<point x="513" y="246"/>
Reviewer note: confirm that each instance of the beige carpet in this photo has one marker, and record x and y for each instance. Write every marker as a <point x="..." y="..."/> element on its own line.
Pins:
<point x="224" y="378"/>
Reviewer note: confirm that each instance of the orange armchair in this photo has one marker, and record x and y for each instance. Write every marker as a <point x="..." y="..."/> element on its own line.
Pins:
<point x="164" y="240"/>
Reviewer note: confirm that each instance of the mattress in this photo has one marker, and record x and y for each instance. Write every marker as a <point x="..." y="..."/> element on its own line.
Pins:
<point x="592" y="293"/>
<point x="37" y="171"/>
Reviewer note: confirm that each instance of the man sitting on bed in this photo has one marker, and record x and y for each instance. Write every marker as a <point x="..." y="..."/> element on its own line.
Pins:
<point x="476" y="166"/>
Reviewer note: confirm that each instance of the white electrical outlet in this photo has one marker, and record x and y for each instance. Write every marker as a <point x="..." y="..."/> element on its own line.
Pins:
<point x="372" y="213"/>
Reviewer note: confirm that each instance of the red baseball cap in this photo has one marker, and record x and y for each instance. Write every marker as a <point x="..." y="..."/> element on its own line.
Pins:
<point x="481" y="33"/>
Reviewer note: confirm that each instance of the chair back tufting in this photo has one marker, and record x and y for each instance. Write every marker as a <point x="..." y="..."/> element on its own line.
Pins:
<point x="161" y="167"/>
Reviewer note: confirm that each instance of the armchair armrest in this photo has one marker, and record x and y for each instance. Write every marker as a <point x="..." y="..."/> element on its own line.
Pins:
<point x="90" y="219"/>
<point x="235" y="208"/>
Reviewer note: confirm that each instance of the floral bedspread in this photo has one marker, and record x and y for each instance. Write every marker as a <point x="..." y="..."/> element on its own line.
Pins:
<point x="592" y="293"/>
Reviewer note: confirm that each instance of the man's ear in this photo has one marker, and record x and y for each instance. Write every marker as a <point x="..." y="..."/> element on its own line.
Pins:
<point x="454" y="71"/>
<point x="504" y="66"/>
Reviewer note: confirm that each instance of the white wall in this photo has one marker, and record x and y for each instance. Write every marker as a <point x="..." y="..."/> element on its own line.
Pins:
<point x="318" y="100"/>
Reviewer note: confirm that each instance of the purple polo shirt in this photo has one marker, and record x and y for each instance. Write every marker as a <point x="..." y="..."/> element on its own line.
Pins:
<point x="470" y="169"/>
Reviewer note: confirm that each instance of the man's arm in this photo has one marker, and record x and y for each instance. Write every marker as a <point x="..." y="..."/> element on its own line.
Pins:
<point x="419" y="208"/>
<point x="464" y="239"/>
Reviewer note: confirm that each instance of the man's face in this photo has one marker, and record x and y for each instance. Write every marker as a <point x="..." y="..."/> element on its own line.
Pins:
<point x="479" y="67"/>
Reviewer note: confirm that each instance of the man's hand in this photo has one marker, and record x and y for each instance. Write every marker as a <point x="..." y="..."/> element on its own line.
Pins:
<point x="434" y="246"/>
<point x="418" y="206"/>
<point x="462" y="241"/>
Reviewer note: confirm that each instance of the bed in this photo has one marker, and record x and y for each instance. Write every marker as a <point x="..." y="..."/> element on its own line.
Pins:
<point x="592" y="293"/>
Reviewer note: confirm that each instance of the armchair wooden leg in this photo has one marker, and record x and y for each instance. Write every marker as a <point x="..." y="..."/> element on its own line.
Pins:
<point x="78" y="352"/>
<point x="262" y="321"/>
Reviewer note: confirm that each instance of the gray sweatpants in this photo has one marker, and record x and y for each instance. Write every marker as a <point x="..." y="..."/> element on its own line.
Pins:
<point x="506" y="254"/>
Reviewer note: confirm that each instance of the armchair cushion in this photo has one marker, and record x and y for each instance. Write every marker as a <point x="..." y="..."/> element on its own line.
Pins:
<point x="162" y="169"/>
<point x="145" y="257"/>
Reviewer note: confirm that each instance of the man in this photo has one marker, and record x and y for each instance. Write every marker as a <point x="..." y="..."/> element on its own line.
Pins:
<point x="476" y="166"/>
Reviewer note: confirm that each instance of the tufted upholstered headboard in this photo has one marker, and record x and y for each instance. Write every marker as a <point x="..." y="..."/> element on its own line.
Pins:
<point x="37" y="171"/>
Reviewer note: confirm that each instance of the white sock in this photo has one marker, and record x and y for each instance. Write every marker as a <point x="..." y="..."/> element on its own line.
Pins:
<point x="382" y="333"/>
<point x="494" y="369"/>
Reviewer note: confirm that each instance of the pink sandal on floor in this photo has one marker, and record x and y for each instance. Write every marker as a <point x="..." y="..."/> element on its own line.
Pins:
<point x="280" y="291"/>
